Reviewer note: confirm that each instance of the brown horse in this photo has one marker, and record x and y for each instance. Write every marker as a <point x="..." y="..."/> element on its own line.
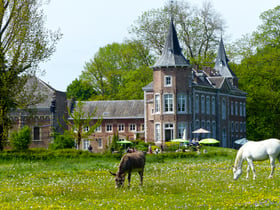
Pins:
<point x="130" y="162"/>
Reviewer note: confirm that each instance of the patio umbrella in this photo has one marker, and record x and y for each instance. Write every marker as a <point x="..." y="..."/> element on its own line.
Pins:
<point x="201" y="130"/>
<point x="209" y="141"/>
<point x="125" y="142"/>
<point x="180" y="141"/>
<point x="241" y="141"/>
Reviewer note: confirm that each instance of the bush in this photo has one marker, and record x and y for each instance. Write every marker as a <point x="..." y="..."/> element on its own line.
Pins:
<point x="20" y="140"/>
<point x="63" y="141"/>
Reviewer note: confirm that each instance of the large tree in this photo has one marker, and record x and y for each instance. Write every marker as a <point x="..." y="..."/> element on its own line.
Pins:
<point x="199" y="30"/>
<point x="259" y="74"/>
<point x="24" y="43"/>
<point x="115" y="66"/>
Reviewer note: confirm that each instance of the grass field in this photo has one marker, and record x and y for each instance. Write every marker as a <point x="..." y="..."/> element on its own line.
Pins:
<point x="195" y="182"/>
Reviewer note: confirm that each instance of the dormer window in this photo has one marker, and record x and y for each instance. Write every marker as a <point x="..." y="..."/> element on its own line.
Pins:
<point x="167" y="81"/>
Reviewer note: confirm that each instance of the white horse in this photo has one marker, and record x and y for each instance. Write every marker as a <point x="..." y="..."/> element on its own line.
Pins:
<point x="259" y="150"/>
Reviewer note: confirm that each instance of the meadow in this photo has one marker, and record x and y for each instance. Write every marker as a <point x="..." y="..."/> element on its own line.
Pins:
<point x="177" y="181"/>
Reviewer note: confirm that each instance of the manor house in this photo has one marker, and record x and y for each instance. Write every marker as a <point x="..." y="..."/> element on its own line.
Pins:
<point x="180" y="99"/>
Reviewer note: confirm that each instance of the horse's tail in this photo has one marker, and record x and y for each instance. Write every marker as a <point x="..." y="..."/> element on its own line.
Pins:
<point x="238" y="157"/>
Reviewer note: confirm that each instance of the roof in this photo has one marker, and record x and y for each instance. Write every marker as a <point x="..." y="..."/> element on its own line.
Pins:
<point x="221" y="64"/>
<point x="172" y="52"/>
<point x="119" y="109"/>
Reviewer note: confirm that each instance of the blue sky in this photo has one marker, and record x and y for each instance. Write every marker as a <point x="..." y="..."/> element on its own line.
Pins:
<point x="88" y="25"/>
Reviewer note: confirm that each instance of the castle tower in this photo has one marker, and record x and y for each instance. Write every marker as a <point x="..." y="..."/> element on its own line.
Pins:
<point x="170" y="93"/>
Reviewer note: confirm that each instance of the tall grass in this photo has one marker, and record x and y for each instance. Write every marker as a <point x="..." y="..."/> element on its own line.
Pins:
<point x="174" y="181"/>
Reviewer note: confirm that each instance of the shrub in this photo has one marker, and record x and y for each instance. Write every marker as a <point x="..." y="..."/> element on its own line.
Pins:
<point x="62" y="141"/>
<point x="20" y="140"/>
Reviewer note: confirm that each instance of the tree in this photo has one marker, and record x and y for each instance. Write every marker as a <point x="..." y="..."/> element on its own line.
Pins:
<point x="199" y="30"/>
<point x="112" y="68"/>
<point x="80" y="126"/>
<point x="24" y="43"/>
<point x="80" y="90"/>
<point x="259" y="75"/>
<point x="20" y="140"/>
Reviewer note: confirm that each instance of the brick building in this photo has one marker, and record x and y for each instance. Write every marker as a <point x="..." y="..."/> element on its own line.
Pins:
<point x="182" y="97"/>
<point x="43" y="117"/>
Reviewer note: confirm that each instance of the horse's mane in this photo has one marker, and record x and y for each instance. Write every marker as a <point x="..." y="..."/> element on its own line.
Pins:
<point x="238" y="156"/>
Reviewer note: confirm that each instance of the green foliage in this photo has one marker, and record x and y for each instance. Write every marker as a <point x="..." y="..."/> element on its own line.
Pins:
<point x="119" y="71"/>
<point x="20" y="140"/>
<point x="81" y="120"/>
<point x="80" y="90"/>
<point x="194" y="182"/>
<point x="259" y="75"/>
<point x="25" y="42"/>
<point x="198" y="29"/>
<point x="63" y="141"/>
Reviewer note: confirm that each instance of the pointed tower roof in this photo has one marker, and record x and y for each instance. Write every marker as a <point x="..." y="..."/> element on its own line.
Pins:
<point x="221" y="64"/>
<point x="172" y="52"/>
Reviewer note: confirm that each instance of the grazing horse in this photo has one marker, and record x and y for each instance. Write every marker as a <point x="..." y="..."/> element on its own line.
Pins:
<point x="256" y="150"/>
<point x="130" y="162"/>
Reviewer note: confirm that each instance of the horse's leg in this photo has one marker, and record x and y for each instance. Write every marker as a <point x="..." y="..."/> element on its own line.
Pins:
<point x="248" y="170"/>
<point x="128" y="177"/>
<point x="251" y="164"/>
<point x="141" y="177"/>
<point x="272" y="164"/>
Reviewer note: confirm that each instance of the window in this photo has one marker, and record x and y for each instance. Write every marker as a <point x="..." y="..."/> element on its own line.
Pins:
<point x="207" y="105"/>
<point x="121" y="127"/>
<point x="157" y="103"/>
<point x="86" y="143"/>
<point x="86" y="128"/>
<point x="213" y="105"/>
<point x="232" y="126"/>
<point x="240" y="109"/>
<point x="36" y="134"/>
<point x="181" y="129"/>
<point x="132" y="127"/>
<point x="202" y="104"/>
<point x="98" y="129"/>
<point x="157" y="132"/>
<point x="100" y="144"/>
<point x="142" y="127"/>
<point x="214" y="129"/>
<point x="168" y="131"/>
<point x="231" y="108"/>
<point x="181" y="103"/>
<point x="167" y="81"/>
<point x="244" y="109"/>
<point x="236" y="108"/>
<point x="109" y="128"/>
<point x="168" y="102"/>
<point x="223" y="109"/>
<point x="196" y="104"/>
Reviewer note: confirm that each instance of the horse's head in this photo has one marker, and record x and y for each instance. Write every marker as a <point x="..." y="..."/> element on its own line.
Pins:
<point x="236" y="173"/>
<point x="119" y="179"/>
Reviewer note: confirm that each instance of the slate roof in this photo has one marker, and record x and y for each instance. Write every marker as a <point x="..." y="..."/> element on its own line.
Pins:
<point x="221" y="64"/>
<point x="172" y="52"/>
<point x="119" y="109"/>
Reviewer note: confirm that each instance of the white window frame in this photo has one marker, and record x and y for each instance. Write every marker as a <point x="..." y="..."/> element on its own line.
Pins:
<point x="132" y="127"/>
<point x="121" y="127"/>
<point x="181" y="103"/>
<point x="167" y="81"/>
<point x="98" y="129"/>
<point x="110" y="126"/>
<point x="157" y="132"/>
<point x="86" y="144"/>
<point x="157" y="103"/>
<point x="169" y="98"/>
<point x="100" y="143"/>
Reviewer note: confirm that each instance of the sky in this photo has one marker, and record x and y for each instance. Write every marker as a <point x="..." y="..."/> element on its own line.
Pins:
<point x="88" y="25"/>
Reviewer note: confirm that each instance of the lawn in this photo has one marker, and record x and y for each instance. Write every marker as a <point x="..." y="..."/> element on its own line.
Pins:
<point x="196" y="181"/>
